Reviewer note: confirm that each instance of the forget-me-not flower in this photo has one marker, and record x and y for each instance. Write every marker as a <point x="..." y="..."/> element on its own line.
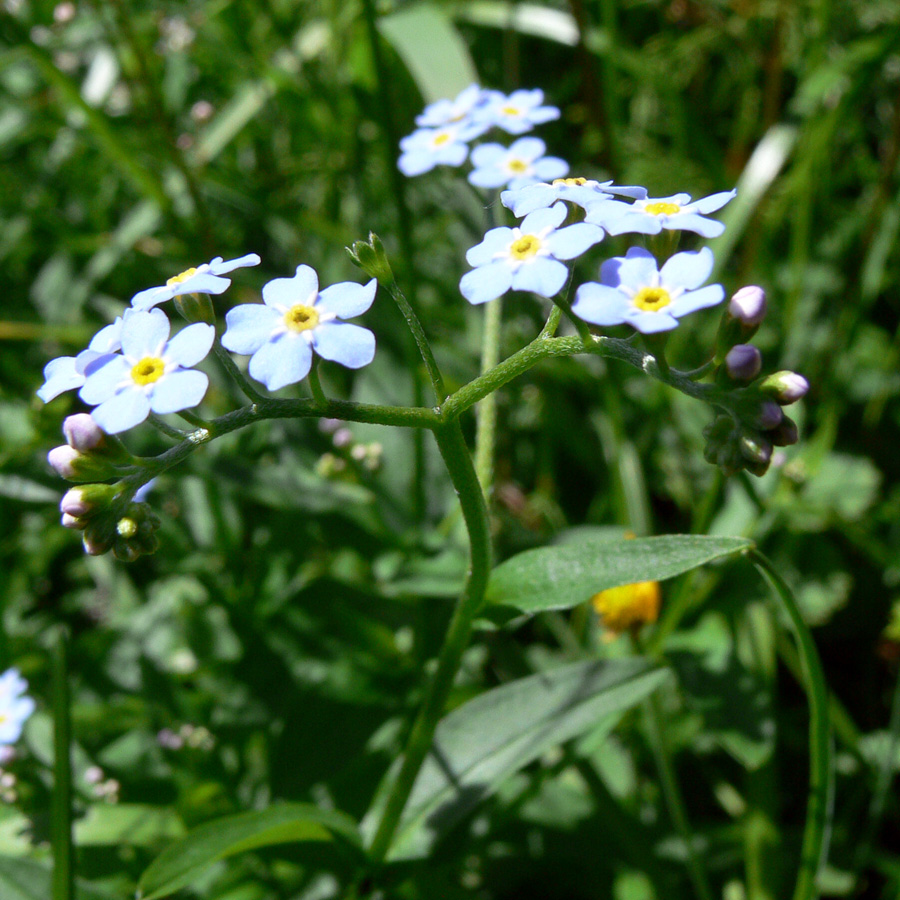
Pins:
<point x="205" y="279"/>
<point x="582" y="191"/>
<point x="651" y="216"/>
<point x="426" y="148"/>
<point x="66" y="373"/>
<point x="15" y="708"/>
<point x="152" y="373"/>
<point x="280" y="335"/>
<point x="517" y="113"/>
<point x="526" y="258"/>
<point x="448" y="112"/>
<point x="634" y="292"/>
<point x="516" y="166"/>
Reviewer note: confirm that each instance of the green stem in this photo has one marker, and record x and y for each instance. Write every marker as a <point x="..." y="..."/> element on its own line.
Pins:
<point x="662" y="753"/>
<point x="231" y="367"/>
<point x="193" y="419"/>
<point x="815" y="833"/>
<point x="462" y="473"/>
<point x="165" y="428"/>
<point x="415" y="326"/>
<point x="315" y="384"/>
<point x="61" y="808"/>
<point x="486" y="428"/>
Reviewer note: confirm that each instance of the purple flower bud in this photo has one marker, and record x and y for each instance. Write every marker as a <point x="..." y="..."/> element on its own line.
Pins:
<point x="62" y="459"/>
<point x="74" y="503"/>
<point x="785" y="434"/>
<point x="743" y="362"/>
<point x="748" y="305"/>
<point x="785" y="387"/>
<point x="769" y="415"/>
<point x="82" y="432"/>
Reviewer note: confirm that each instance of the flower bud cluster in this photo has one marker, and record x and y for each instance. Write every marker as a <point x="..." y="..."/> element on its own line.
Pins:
<point x="89" y="454"/>
<point x="745" y="435"/>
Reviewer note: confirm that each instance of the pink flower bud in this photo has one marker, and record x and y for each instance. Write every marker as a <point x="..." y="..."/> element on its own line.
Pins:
<point x="82" y="432"/>
<point x="769" y="415"/>
<point x="62" y="459"/>
<point x="785" y="387"/>
<point x="74" y="503"/>
<point x="72" y="522"/>
<point x="743" y="362"/>
<point x="748" y="305"/>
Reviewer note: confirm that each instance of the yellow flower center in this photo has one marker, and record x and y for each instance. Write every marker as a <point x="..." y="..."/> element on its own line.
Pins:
<point x="148" y="370"/>
<point x="177" y="279"/>
<point x="516" y="165"/>
<point x="440" y="139"/>
<point x="569" y="182"/>
<point x="525" y="247"/>
<point x="662" y="208"/>
<point x="301" y="317"/>
<point x="628" y="606"/>
<point x="652" y="299"/>
<point x="511" y="111"/>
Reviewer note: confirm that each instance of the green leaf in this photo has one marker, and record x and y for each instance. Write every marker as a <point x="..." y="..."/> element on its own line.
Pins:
<point x="560" y="577"/>
<point x="282" y="824"/>
<point x="489" y="738"/>
<point x="137" y="824"/>
<point x="25" y="879"/>
<point x="431" y="49"/>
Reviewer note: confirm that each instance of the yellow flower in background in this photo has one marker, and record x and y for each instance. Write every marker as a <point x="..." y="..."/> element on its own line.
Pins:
<point x="628" y="607"/>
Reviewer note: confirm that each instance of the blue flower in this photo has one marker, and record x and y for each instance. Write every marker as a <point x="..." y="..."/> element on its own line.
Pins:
<point x="526" y="258"/>
<point x="205" y="279"/>
<point x="581" y="191"/>
<point x="66" y="373"/>
<point x="297" y="319"/>
<point x="426" y="148"/>
<point x="517" y="113"/>
<point x="151" y="373"/>
<point x="449" y="112"/>
<point x="521" y="164"/>
<point x="14" y="707"/>
<point x="650" y="216"/>
<point x="634" y="292"/>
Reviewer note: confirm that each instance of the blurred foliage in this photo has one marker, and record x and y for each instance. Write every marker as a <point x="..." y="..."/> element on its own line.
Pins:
<point x="274" y="649"/>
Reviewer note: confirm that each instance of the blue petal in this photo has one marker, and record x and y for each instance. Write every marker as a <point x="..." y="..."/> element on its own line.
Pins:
<point x="599" y="304"/>
<point x="301" y="288"/>
<point x="573" y="240"/>
<point x="122" y="411"/>
<point x="248" y="327"/>
<point x="350" y="345"/>
<point x="486" y="283"/>
<point x="528" y="148"/>
<point x="649" y="322"/>
<point x="631" y="222"/>
<point x="178" y="390"/>
<point x="495" y="241"/>
<point x="691" y="301"/>
<point x="713" y="202"/>
<point x="485" y="155"/>
<point x="488" y="177"/>
<point x="60" y="375"/>
<point x="543" y="276"/>
<point x="201" y="283"/>
<point x="550" y="167"/>
<point x="108" y="339"/>
<point x="191" y="344"/>
<point x="220" y="268"/>
<point x="145" y="333"/>
<point x="101" y="383"/>
<point x="528" y="199"/>
<point x="687" y="270"/>
<point x="148" y="298"/>
<point x="544" y="218"/>
<point x="708" y="228"/>
<point x="282" y="361"/>
<point x="637" y="270"/>
<point x="347" y="299"/>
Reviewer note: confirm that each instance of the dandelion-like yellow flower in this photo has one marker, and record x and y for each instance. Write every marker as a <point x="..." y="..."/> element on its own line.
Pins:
<point x="629" y="606"/>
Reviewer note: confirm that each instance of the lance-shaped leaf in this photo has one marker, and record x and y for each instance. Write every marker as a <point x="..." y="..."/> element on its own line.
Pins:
<point x="562" y="576"/>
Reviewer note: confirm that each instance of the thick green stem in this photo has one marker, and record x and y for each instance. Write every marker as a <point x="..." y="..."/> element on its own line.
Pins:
<point x="456" y="457"/>
<point x="486" y="412"/>
<point x="815" y="833"/>
<point x="61" y="810"/>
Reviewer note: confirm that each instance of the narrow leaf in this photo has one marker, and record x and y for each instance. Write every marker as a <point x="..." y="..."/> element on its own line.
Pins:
<point x="563" y="576"/>
<point x="285" y="823"/>
<point x="489" y="738"/>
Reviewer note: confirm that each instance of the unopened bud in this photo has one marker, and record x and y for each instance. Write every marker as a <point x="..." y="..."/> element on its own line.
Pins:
<point x="748" y="305"/>
<point x="82" y="432"/>
<point x="743" y="362"/>
<point x="785" y="434"/>
<point x="95" y="545"/>
<point x="785" y="387"/>
<point x="769" y="415"/>
<point x="69" y="521"/>
<point x="372" y="259"/>
<point x="88" y="499"/>
<point x="79" y="467"/>
<point x="755" y="448"/>
<point x="126" y="527"/>
<point x="74" y="503"/>
<point x="196" y="308"/>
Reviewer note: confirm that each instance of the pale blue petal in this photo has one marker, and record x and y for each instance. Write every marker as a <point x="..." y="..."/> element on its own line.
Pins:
<point x="649" y="322"/>
<point x="108" y="339"/>
<point x="573" y="240"/>
<point x="248" y="327"/>
<point x="101" y="383"/>
<point x="285" y="360"/>
<point x="60" y="375"/>
<point x="708" y="228"/>
<point x="528" y="148"/>
<point x="347" y="299"/>
<point x="528" y="199"/>
<point x="544" y="218"/>
<point x="349" y="345"/>
<point x="713" y="202"/>
<point x="687" y="270"/>
<point x="550" y="167"/>
<point x="677" y="199"/>
<point x="488" y="177"/>
<point x="219" y="267"/>
<point x="122" y="411"/>
<point x="637" y="269"/>
<point x="495" y="241"/>
<point x="145" y="333"/>
<point x="487" y="155"/>
<point x="148" y="298"/>
<point x="543" y="276"/>
<point x="301" y="288"/>
<point x="201" y="283"/>
<point x="599" y="304"/>
<point x="690" y="301"/>
<point x="630" y="222"/>
<point x="177" y="390"/>
<point x="191" y="344"/>
<point x="486" y="283"/>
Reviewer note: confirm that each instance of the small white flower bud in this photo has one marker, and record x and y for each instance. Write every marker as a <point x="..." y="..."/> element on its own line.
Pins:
<point x="785" y="387"/>
<point x="62" y="459"/>
<point x="74" y="503"/>
<point x="82" y="432"/>
<point x="748" y="305"/>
